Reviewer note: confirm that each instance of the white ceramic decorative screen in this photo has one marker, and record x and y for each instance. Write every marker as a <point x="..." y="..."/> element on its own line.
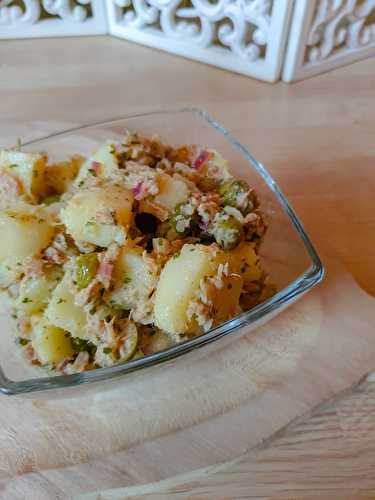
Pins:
<point x="38" y="18"/>
<point x="325" y="34"/>
<point x="246" y="36"/>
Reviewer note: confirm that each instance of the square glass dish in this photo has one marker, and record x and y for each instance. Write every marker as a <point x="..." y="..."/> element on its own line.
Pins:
<point x="287" y="253"/>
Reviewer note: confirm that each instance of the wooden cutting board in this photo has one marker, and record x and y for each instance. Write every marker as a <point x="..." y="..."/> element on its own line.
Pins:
<point x="208" y="410"/>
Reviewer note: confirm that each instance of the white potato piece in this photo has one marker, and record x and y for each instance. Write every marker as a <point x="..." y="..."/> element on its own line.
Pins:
<point x="63" y="312"/>
<point x="51" y="344"/>
<point x="227" y="298"/>
<point x="172" y="191"/>
<point x="244" y="261"/>
<point x="25" y="231"/>
<point x="60" y="176"/>
<point x="178" y="283"/>
<point x="217" y="166"/>
<point x="86" y="212"/>
<point x="108" y="164"/>
<point x="35" y="291"/>
<point x="28" y="168"/>
<point x="134" y="278"/>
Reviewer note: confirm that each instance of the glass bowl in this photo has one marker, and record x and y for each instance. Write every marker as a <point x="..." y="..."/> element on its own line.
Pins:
<point x="287" y="253"/>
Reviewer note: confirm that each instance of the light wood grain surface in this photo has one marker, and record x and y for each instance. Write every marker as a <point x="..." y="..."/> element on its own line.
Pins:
<point x="317" y="138"/>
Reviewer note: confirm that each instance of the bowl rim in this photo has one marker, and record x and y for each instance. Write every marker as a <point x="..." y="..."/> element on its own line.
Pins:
<point x="296" y="288"/>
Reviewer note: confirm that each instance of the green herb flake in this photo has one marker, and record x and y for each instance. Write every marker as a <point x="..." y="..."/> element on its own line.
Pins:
<point x="81" y="183"/>
<point x="92" y="310"/>
<point x="92" y="172"/>
<point x="81" y="345"/>
<point x="51" y="199"/>
<point x="107" y="350"/>
<point x="13" y="165"/>
<point x="26" y="300"/>
<point x="23" y="341"/>
<point x="90" y="222"/>
<point x="40" y="221"/>
<point x="127" y="280"/>
<point x="61" y="301"/>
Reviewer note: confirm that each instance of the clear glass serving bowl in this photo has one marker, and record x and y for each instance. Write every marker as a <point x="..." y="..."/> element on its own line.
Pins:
<point x="287" y="253"/>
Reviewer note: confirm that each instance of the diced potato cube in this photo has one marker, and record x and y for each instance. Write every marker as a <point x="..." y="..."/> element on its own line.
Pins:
<point x="63" y="312"/>
<point x="99" y="216"/>
<point x="227" y="298"/>
<point x="51" y="344"/>
<point x="244" y="261"/>
<point x="178" y="283"/>
<point x="217" y="166"/>
<point x="171" y="192"/>
<point x="134" y="278"/>
<point x="25" y="231"/>
<point x="35" y="292"/>
<point x="28" y="168"/>
<point x="108" y="164"/>
<point x="59" y="176"/>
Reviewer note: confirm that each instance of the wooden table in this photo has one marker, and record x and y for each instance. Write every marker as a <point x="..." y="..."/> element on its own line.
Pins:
<point x="317" y="138"/>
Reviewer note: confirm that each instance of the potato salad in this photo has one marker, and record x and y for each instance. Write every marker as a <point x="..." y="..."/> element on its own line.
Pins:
<point x="123" y="254"/>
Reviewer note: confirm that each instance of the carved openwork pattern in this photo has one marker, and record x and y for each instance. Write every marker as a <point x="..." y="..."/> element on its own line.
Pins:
<point x="243" y="26"/>
<point x="340" y="25"/>
<point x="26" y="12"/>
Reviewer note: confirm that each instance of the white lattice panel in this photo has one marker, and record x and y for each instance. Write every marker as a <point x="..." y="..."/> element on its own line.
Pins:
<point x="38" y="18"/>
<point x="326" y="34"/>
<point x="246" y="36"/>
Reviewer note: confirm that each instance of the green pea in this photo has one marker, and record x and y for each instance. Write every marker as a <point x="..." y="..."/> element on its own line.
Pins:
<point x="180" y="223"/>
<point x="233" y="193"/>
<point x="86" y="267"/>
<point x="227" y="231"/>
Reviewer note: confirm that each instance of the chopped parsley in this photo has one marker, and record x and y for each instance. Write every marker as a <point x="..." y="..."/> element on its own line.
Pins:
<point x="107" y="350"/>
<point x="61" y="301"/>
<point x="81" y="345"/>
<point x="26" y="300"/>
<point x="23" y="341"/>
<point x="91" y="222"/>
